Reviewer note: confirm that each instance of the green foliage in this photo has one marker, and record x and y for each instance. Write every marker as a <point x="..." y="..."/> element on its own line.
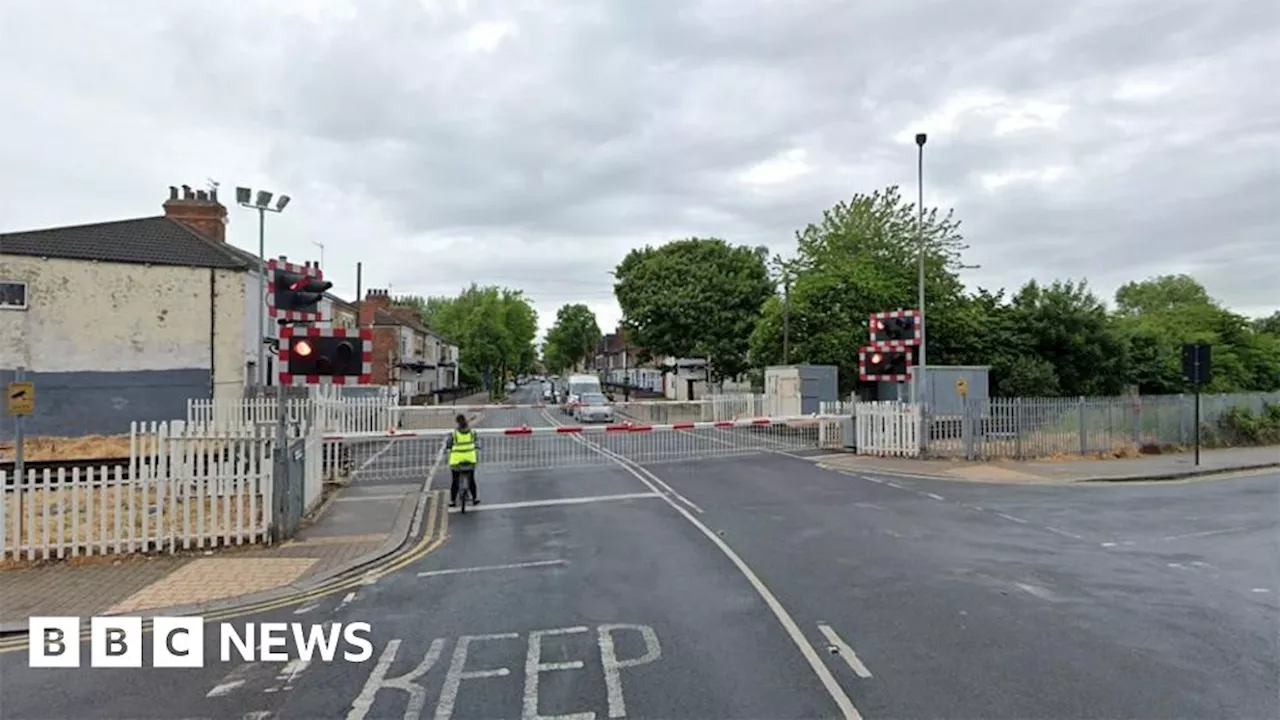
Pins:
<point x="1057" y="339"/>
<point x="572" y="340"/>
<point x="493" y="327"/>
<point x="697" y="298"/>
<point x="1241" y="426"/>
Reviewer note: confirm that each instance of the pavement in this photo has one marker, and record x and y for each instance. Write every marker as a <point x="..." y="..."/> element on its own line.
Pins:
<point x="1068" y="470"/>
<point x="769" y="587"/>
<point x="365" y="519"/>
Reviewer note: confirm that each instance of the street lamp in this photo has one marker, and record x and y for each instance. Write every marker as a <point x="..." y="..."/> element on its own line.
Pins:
<point x="917" y="390"/>
<point x="244" y="196"/>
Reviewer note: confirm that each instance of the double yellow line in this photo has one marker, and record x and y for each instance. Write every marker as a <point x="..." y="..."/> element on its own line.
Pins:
<point x="437" y="531"/>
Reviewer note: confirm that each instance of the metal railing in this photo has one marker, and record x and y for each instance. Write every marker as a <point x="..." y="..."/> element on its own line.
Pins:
<point x="1046" y="427"/>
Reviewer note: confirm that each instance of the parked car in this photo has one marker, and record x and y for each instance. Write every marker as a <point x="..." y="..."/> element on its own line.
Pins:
<point x="593" y="407"/>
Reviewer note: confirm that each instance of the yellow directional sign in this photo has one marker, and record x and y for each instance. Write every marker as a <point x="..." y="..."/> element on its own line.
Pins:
<point x="962" y="387"/>
<point x="22" y="398"/>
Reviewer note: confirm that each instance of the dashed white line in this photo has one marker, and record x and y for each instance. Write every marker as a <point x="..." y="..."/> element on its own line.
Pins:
<point x="1011" y="518"/>
<point x="485" y="568"/>
<point x="346" y="600"/>
<point x="935" y="496"/>
<point x="845" y="651"/>
<point x="1063" y="533"/>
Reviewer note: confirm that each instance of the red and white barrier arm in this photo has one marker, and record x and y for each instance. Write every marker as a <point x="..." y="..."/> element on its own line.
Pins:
<point x="616" y="428"/>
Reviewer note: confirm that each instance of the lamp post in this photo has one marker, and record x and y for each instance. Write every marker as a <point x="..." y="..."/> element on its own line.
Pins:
<point x="917" y="387"/>
<point x="262" y="203"/>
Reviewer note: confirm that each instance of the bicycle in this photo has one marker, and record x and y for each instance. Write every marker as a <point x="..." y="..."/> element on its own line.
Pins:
<point x="466" y="478"/>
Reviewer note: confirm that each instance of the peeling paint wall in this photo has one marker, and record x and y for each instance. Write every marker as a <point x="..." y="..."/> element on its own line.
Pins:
<point x="107" y="343"/>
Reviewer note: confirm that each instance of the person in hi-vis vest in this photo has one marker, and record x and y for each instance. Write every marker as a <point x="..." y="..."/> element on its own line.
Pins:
<point x="462" y="447"/>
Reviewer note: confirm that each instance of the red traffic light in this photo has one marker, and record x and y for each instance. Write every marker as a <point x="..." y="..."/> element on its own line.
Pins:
<point x="876" y="359"/>
<point x="302" y="348"/>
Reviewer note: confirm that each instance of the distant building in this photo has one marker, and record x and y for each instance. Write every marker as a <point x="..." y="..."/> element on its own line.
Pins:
<point x="407" y="354"/>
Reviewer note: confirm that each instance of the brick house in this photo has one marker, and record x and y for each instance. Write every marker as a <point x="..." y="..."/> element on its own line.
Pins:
<point x="407" y="355"/>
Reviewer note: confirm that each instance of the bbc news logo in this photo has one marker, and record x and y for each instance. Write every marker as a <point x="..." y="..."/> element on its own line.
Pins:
<point x="178" y="642"/>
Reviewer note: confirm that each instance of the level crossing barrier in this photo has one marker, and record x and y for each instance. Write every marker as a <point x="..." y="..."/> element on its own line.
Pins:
<point x="412" y="453"/>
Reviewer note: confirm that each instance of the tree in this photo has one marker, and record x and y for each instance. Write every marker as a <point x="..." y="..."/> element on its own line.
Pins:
<point x="1158" y="315"/>
<point x="862" y="258"/>
<point x="573" y="339"/>
<point x="493" y="327"/>
<point x="694" y="298"/>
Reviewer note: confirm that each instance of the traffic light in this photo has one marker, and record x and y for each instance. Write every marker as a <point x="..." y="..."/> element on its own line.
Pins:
<point x="884" y="364"/>
<point x="294" y="291"/>
<point x="340" y="356"/>
<point x="895" y="329"/>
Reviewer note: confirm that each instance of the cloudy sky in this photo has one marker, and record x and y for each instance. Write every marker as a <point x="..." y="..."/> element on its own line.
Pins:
<point x="532" y="143"/>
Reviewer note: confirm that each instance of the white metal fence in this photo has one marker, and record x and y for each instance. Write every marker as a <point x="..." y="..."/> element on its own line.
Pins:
<point x="185" y="487"/>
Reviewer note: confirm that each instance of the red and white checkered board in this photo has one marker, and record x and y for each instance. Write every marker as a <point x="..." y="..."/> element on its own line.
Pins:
<point x="894" y="344"/>
<point x="287" y="335"/>
<point x="862" y="366"/>
<point x="275" y="264"/>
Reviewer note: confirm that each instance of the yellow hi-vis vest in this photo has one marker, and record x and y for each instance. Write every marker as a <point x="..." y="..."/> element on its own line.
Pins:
<point x="463" y="451"/>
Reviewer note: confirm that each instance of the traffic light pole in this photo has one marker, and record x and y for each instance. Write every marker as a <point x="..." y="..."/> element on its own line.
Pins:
<point x="917" y="394"/>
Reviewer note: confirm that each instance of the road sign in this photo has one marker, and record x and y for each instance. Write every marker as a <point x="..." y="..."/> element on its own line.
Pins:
<point x="962" y="387"/>
<point x="22" y="398"/>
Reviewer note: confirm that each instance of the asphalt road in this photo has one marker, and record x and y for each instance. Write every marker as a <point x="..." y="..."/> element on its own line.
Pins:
<point x="770" y="588"/>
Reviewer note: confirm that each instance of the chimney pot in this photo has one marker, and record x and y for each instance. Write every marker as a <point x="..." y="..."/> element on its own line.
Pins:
<point x="173" y="193"/>
<point x="186" y="192"/>
<point x="200" y="195"/>
<point x="213" y="195"/>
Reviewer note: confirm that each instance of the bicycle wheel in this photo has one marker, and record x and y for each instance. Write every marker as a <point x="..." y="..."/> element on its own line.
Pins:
<point x="464" y="489"/>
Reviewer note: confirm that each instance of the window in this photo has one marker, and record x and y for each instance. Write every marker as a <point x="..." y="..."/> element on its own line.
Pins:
<point x="13" y="295"/>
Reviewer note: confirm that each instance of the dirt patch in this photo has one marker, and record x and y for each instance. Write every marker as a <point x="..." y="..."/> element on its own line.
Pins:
<point x="89" y="447"/>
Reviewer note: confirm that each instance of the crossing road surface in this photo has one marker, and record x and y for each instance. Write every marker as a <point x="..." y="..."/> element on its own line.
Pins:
<point x="766" y="587"/>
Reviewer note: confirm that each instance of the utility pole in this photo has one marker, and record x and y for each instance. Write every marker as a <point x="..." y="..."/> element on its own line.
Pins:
<point x="261" y="203"/>
<point x="917" y="385"/>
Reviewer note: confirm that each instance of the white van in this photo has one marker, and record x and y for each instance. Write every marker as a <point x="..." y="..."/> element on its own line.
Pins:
<point x="580" y="385"/>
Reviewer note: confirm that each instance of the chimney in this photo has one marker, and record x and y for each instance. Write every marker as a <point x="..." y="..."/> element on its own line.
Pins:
<point x="199" y="211"/>
<point x="373" y="301"/>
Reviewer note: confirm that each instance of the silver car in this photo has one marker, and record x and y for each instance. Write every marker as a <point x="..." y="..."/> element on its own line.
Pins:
<point x="593" y="407"/>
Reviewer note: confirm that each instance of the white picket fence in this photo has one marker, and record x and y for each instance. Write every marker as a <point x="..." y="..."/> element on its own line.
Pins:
<point x="186" y="487"/>
<point x="887" y="429"/>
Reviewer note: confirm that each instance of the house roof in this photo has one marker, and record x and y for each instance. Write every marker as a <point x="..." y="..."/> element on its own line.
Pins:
<point x="152" y="240"/>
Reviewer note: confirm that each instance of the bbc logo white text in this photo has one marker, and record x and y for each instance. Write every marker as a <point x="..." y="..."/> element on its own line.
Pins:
<point x="178" y="642"/>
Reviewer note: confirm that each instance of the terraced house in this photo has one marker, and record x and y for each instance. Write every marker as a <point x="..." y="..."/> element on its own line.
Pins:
<point x="127" y="319"/>
<point x="407" y="355"/>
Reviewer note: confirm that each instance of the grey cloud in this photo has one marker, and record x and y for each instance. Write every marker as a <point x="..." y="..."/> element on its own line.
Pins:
<point x="599" y="126"/>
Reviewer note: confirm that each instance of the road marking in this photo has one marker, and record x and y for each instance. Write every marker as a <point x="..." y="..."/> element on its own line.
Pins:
<point x="609" y="659"/>
<point x="533" y="665"/>
<point x="1064" y="533"/>
<point x="485" y="568"/>
<point x="1222" y="531"/>
<point x="1011" y="518"/>
<point x="626" y="462"/>
<point x="838" y="695"/>
<point x="845" y="651"/>
<point x="378" y="679"/>
<point x="232" y="681"/>
<point x="1261" y="590"/>
<point x="935" y="496"/>
<point x="346" y="600"/>
<point x="305" y="609"/>
<point x="458" y="672"/>
<point x="562" y="501"/>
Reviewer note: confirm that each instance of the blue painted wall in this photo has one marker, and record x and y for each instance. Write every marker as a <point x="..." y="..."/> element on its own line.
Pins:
<point x="71" y="404"/>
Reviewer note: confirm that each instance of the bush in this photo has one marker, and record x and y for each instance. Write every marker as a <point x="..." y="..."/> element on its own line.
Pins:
<point x="1240" y="426"/>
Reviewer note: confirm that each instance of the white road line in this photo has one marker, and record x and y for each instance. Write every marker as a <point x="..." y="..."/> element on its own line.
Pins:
<point x="1064" y="533"/>
<point x="625" y="461"/>
<point x="935" y="496"/>
<point x="305" y="609"/>
<point x="1222" y="531"/>
<point x="486" y="568"/>
<point x="561" y="501"/>
<point x="346" y="600"/>
<point x="1011" y="518"/>
<point x="845" y="651"/>
<point x="837" y="693"/>
<point x="223" y="689"/>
